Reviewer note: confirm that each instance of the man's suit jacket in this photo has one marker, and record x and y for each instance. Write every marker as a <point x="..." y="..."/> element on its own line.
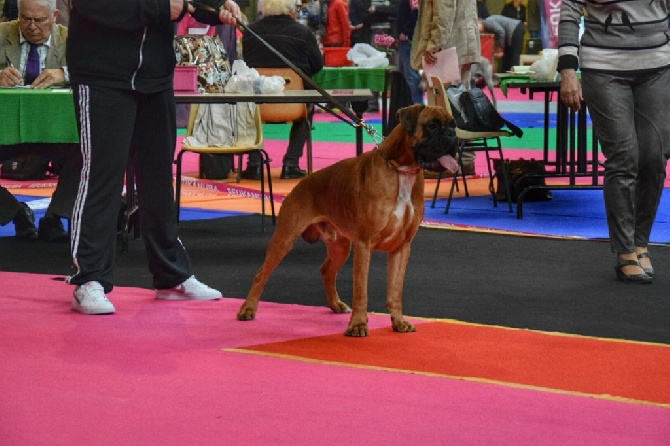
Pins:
<point x="10" y="45"/>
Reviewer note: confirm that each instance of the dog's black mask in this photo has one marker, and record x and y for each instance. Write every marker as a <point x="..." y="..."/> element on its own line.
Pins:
<point x="439" y="139"/>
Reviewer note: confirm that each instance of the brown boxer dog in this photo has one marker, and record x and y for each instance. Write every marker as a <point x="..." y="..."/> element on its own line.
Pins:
<point x="374" y="201"/>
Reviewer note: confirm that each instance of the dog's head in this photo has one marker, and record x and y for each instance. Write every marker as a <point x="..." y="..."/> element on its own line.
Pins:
<point x="433" y="135"/>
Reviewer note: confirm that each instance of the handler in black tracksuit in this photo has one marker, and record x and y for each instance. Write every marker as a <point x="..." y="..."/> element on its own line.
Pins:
<point x="121" y="62"/>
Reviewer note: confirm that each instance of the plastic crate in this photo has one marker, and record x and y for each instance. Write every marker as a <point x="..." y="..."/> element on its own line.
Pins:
<point x="336" y="56"/>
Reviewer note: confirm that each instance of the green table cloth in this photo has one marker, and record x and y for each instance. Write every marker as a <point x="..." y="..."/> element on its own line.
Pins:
<point x="511" y="78"/>
<point x="337" y="78"/>
<point x="30" y="116"/>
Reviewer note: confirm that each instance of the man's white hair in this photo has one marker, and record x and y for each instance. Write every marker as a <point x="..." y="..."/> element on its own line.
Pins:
<point x="278" y="7"/>
<point x="51" y="4"/>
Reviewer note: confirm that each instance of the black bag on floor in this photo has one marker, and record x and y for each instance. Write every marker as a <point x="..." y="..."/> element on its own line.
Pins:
<point x="522" y="173"/>
<point x="215" y="167"/>
<point x="25" y="168"/>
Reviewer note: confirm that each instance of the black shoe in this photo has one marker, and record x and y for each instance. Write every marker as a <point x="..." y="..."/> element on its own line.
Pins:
<point x="51" y="230"/>
<point x="252" y="172"/>
<point x="648" y="270"/>
<point x="24" y="222"/>
<point x="631" y="278"/>
<point x="292" y="172"/>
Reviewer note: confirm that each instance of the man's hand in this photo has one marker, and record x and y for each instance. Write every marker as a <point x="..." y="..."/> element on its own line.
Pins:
<point x="402" y="37"/>
<point x="10" y="77"/>
<point x="571" y="89"/>
<point x="229" y="13"/>
<point x="176" y="7"/>
<point x="49" y="77"/>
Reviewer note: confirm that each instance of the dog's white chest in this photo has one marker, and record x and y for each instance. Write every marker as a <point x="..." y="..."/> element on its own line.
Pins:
<point x="404" y="201"/>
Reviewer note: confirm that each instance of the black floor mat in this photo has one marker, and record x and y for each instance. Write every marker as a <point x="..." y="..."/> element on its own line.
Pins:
<point x="543" y="284"/>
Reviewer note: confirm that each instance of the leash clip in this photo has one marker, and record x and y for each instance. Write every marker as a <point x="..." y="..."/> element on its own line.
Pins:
<point x="376" y="136"/>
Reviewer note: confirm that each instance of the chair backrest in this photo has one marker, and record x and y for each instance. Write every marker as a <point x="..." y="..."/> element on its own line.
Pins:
<point x="274" y="113"/>
<point x="191" y="119"/>
<point x="437" y="95"/>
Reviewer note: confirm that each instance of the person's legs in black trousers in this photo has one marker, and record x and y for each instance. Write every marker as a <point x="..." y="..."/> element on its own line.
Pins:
<point x="512" y="55"/>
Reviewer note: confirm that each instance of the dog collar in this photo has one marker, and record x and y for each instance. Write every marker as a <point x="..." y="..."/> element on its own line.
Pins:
<point x="402" y="170"/>
<point x="405" y="170"/>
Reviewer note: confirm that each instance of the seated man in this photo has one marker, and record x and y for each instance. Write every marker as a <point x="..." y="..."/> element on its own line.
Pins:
<point x="34" y="46"/>
<point x="297" y="42"/>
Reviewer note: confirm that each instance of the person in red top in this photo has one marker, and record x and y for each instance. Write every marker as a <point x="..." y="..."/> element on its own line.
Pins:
<point x="338" y="29"/>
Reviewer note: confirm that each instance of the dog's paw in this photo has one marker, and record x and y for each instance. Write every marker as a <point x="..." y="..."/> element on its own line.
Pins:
<point x="340" y="307"/>
<point x="246" y="313"/>
<point x="357" y="330"/>
<point x="402" y="326"/>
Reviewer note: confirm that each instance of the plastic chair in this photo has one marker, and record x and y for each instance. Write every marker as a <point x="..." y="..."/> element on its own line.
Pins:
<point x="257" y="146"/>
<point x="287" y="113"/>
<point x="470" y="142"/>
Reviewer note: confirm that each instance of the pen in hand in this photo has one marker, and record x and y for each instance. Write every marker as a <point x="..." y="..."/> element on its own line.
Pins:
<point x="11" y="65"/>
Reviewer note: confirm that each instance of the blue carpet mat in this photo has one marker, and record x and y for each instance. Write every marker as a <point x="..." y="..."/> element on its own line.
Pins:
<point x="571" y="213"/>
<point x="39" y="206"/>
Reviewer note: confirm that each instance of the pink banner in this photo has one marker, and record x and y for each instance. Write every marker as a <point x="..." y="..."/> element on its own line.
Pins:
<point x="551" y="11"/>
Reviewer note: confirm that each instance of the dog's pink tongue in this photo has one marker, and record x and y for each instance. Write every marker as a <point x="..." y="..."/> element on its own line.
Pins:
<point x="449" y="163"/>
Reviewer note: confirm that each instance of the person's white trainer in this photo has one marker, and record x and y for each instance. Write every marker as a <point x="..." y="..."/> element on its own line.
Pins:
<point x="90" y="298"/>
<point x="190" y="289"/>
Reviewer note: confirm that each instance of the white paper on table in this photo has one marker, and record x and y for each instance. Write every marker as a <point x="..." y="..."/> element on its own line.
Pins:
<point x="446" y="68"/>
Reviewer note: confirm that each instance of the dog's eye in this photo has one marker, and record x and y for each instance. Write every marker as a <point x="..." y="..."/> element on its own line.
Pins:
<point x="432" y="126"/>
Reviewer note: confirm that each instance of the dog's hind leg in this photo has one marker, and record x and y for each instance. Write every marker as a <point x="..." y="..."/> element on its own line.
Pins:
<point x="281" y="243"/>
<point x="338" y="253"/>
<point x="395" y="281"/>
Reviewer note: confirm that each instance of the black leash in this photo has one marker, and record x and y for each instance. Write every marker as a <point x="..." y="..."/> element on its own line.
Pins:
<point x="355" y="121"/>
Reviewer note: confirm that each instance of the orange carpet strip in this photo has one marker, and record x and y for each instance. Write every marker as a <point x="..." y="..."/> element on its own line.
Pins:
<point x="600" y="367"/>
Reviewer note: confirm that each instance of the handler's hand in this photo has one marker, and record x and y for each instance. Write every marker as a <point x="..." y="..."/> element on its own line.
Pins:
<point x="10" y="77"/>
<point x="571" y="89"/>
<point x="229" y="13"/>
<point x="176" y="6"/>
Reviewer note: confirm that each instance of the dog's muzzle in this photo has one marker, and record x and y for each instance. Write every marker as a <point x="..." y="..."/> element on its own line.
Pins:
<point x="436" y="153"/>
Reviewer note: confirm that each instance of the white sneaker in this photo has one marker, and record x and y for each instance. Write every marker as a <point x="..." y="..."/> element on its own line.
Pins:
<point x="90" y="298"/>
<point x="190" y="289"/>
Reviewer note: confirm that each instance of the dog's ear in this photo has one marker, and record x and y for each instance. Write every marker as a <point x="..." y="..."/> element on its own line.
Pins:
<point x="409" y="116"/>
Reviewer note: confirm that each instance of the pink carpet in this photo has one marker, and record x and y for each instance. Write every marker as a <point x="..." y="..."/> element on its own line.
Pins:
<point x="160" y="373"/>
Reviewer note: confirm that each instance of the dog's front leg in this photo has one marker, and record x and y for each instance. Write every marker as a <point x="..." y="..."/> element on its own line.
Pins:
<point x="395" y="281"/>
<point x="358" y="323"/>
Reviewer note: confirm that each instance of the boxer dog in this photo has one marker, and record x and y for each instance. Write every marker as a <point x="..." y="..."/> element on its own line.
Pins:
<point x="374" y="202"/>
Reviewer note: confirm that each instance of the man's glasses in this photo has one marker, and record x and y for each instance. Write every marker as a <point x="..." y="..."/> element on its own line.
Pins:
<point x="41" y="21"/>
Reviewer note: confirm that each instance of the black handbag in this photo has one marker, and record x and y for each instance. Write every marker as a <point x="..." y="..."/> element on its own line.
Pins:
<point x="522" y="173"/>
<point x="215" y="167"/>
<point x="473" y="111"/>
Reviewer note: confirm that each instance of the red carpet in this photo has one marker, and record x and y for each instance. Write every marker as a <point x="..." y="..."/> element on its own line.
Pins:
<point x="599" y="367"/>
